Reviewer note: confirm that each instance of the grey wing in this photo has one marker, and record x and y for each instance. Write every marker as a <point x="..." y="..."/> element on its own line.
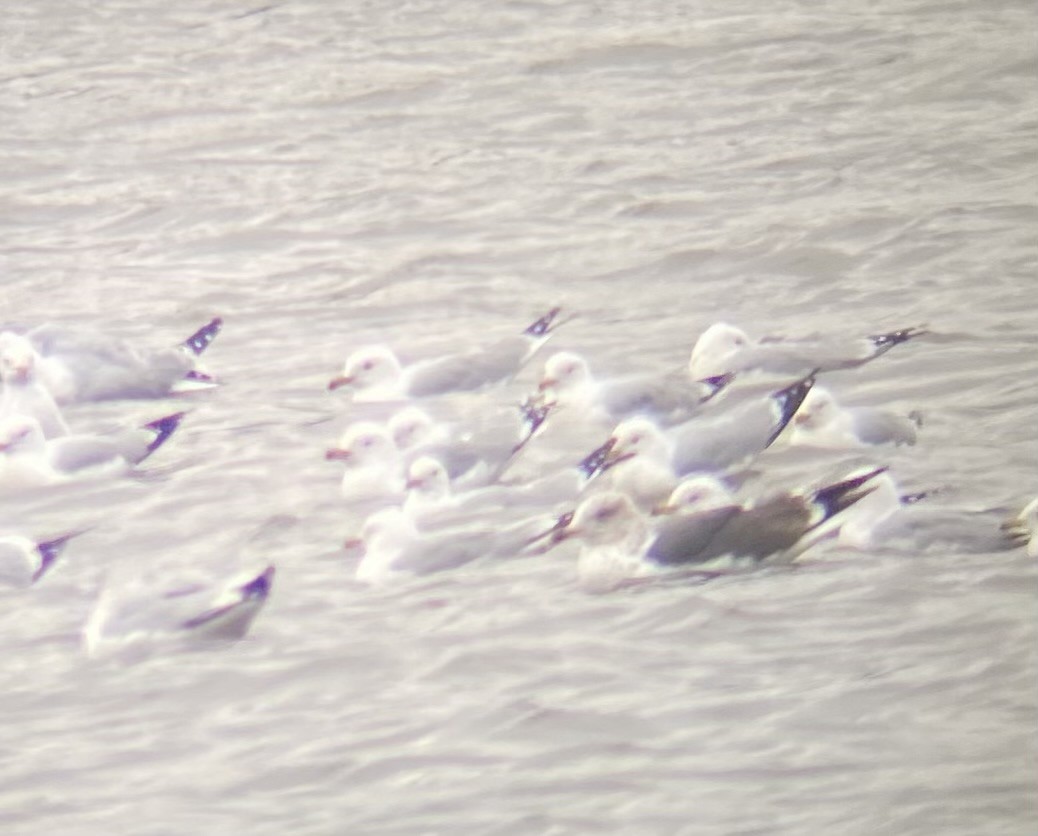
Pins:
<point x="441" y="552"/>
<point x="801" y="356"/>
<point x="877" y="426"/>
<point x="668" y="398"/>
<point x="765" y="529"/>
<point x="466" y="372"/>
<point x="720" y="442"/>
<point x="776" y="358"/>
<point x="109" y="368"/>
<point x="74" y="453"/>
<point x="687" y="539"/>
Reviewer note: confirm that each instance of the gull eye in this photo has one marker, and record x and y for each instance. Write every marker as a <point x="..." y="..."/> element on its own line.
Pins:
<point x="368" y="365"/>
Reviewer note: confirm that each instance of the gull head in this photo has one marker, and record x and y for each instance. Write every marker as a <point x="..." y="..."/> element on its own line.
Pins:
<point x="370" y="367"/>
<point x="20" y="433"/>
<point x="564" y="374"/>
<point x="633" y="437"/>
<point x="17" y="359"/>
<point x="818" y="410"/>
<point x="410" y="427"/>
<point x="363" y="444"/>
<point x="603" y="519"/>
<point x="697" y="493"/>
<point x="639" y="437"/>
<point x="714" y="348"/>
<point x="427" y="478"/>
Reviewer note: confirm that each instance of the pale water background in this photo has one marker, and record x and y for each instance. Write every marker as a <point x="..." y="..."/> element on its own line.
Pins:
<point x="325" y="174"/>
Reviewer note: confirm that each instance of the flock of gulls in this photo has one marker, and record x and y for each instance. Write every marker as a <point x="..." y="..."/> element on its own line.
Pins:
<point x="641" y="479"/>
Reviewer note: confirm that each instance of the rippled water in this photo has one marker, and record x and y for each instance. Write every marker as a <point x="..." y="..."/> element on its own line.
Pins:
<point x="423" y="172"/>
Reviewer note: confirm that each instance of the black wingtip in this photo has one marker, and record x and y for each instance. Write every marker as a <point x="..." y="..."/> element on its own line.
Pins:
<point x="260" y="586"/>
<point x="199" y="377"/>
<point x="50" y="551"/>
<point x="716" y="383"/>
<point x="841" y="495"/>
<point x="199" y="341"/>
<point x="543" y="325"/>
<point x="789" y="400"/>
<point x="594" y="461"/>
<point x="163" y="429"/>
<point x="535" y="412"/>
<point x="552" y="535"/>
<point x="885" y="342"/>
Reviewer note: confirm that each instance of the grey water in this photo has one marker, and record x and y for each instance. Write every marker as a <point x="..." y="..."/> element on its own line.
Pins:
<point x="437" y="174"/>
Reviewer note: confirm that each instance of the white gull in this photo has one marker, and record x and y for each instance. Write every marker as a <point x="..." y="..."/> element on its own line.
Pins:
<point x="375" y="373"/>
<point x="24" y="561"/>
<point x="28" y="460"/>
<point x="221" y="610"/>
<point x="822" y="422"/>
<point x="392" y="545"/>
<point x="23" y="391"/>
<point x="78" y="364"/>
<point x="432" y="500"/>
<point x="724" y="349"/>
<point x="647" y="461"/>
<point x="374" y="467"/>
<point x="567" y="380"/>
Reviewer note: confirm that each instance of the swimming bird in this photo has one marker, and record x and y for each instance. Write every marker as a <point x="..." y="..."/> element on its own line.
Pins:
<point x="78" y="364"/>
<point x="220" y="610"/>
<point x="432" y="499"/>
<point x="375" y="373"/>
<point x="24" y="561"/>
<point x="724" y="348"/>
<point x="651" y="460"/>
<point x="473" y="455"/>
<point x="392" y="545"/>
<point x="374" y="467"/>
<point x="618" y="543"/>
<point x="567" y="379"/>
<point x="28" y="460"/>
<point x="23" y="392"/>
<point x="822" y="422"/>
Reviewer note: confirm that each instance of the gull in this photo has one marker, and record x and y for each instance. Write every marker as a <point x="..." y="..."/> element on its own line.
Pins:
<point x="1023" y="528"/>
<point x="724" y="348"/>
<point x="28" y="460"/>
<point x="24" y="561"/>
<point x="653" y="459"/>
<point x="374" y="468"/>
<point x="222" y="610"/>
<point x="392" y="546"/>
<point x="567" y="380"/>
<point x="822" y="422"/>
<point x="23" y="391"/>
<point x="374" y="372"/>
<point x="431" y="498"/>
<point x="891" y="520"/>
<point x="857" y="527"/>
<point x="472" y="457"/>
<point x="78" y="364"/>
<point x="619" y="544"/>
